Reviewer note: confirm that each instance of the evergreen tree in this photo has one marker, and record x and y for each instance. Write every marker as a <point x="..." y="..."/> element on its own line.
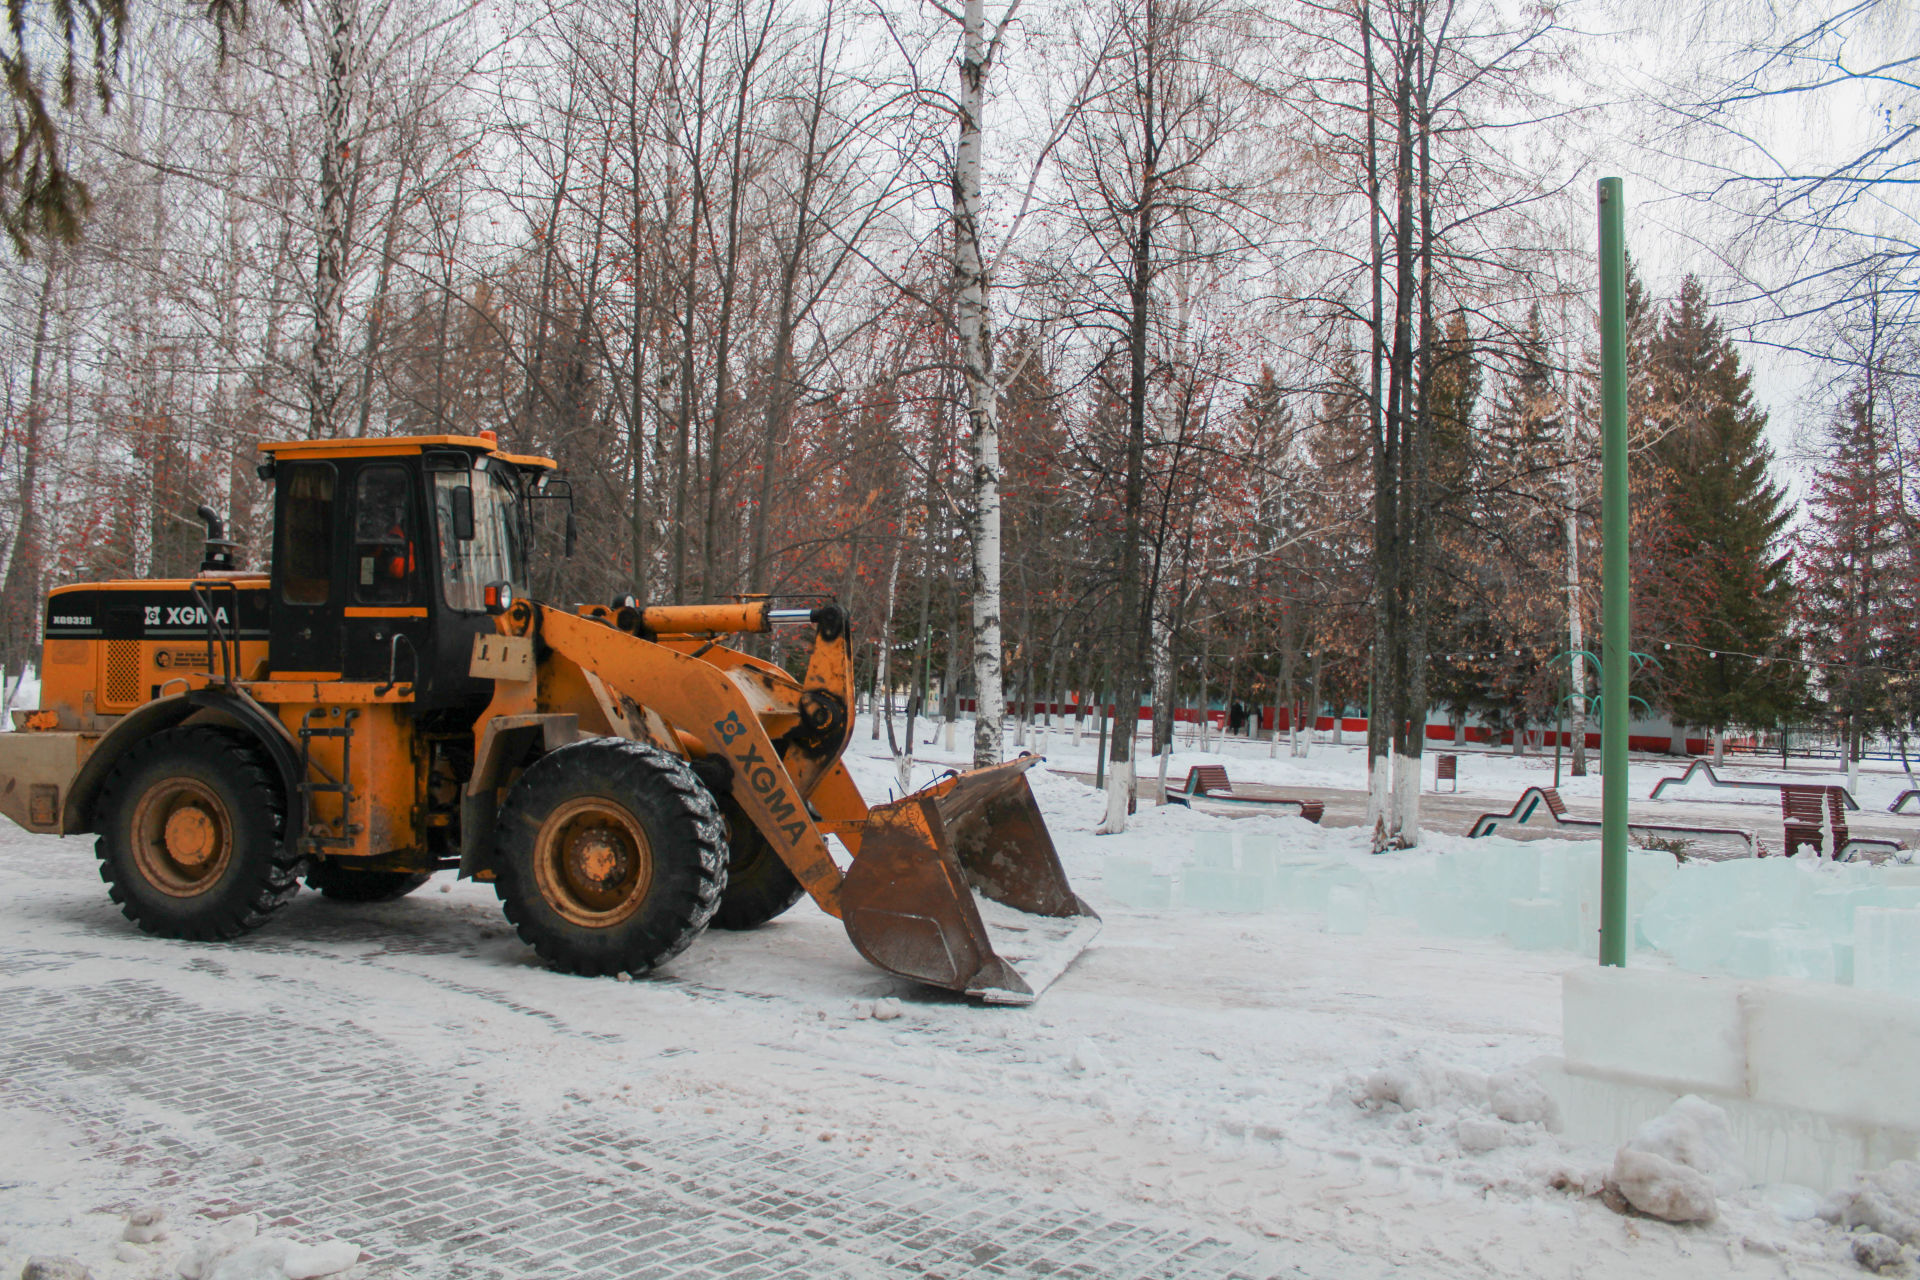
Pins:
<point x="1519" y="548"/>
<point x="1456" y="601"/>
<point x="1720" y="524"/>
<point x="1339" y="509"/>
<point x="1853" y="554"/>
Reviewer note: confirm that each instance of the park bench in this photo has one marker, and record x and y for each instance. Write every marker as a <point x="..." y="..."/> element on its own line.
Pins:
<point x="1805" y="809"/>
<point x="1208" y="785"/>
<point x="1736" y="784"/>
<point x="1899" y="804"/>
<point x="1535" y="799"/>
<point x="1446" y="768"/>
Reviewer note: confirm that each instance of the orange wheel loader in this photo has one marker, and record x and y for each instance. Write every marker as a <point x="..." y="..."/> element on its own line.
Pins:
<point x="386" y="702"/>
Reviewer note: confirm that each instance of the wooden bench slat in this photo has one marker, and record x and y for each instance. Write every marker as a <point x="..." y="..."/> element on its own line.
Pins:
<point x="1205" y="778"/>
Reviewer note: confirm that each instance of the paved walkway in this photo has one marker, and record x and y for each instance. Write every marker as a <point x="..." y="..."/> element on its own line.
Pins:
<point x="344" y="1135"/>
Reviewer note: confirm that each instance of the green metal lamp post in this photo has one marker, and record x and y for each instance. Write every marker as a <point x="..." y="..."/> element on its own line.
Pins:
<point x="1613" y="501"/>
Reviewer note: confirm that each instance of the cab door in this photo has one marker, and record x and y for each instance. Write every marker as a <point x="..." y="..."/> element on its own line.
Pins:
<point x="386" y="606"/>
<point x="308" y="582"/>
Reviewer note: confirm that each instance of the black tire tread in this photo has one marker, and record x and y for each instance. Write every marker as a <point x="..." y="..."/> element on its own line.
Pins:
<point x="759" y="885"/>
<point x="642" y="766"/>
<point x="276" y="878"/>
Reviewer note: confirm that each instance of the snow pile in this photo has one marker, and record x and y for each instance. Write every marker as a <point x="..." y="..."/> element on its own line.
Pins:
<point x="1879" y="1253"/>
<point x="1660" y="1188"/>
<point x="1427" y="1102"/>
<point x="234" y="1250"/>
<point x="1677" y="1165"/>
<point x="55" y="1269"/>
<point x="1886" y="1201"/>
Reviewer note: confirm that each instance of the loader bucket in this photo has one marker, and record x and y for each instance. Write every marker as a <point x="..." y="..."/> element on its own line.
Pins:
<point x="959" y="886"/>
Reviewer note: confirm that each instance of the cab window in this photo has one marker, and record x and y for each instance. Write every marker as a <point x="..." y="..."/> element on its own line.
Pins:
<point x="494" y="552"/>
<point x="383" y="544"/>
<point x="305" y="554"/>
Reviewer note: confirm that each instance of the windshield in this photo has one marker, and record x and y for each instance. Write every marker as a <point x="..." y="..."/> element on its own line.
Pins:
<point x="494" y="554"/>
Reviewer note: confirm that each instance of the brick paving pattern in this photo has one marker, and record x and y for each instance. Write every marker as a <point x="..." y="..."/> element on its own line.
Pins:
<point x="357" y="1141"/>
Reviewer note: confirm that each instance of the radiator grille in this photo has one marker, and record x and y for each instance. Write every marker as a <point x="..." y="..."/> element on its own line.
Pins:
<point x="123" y="671"/>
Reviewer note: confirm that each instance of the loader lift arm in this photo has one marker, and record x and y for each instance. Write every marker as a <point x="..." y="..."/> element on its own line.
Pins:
<point x="958" y="885"/>
<point x="722" y="709"/>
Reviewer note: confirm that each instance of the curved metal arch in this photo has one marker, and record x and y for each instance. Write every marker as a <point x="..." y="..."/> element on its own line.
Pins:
<point x="165" y="713"/>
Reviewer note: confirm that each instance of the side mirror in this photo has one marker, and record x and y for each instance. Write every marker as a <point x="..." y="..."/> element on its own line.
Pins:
<point x="462" y="512"/>
<point x="573" y="530"/>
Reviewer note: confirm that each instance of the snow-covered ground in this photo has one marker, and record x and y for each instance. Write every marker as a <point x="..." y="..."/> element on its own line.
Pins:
<point x="1322" y="1102"/>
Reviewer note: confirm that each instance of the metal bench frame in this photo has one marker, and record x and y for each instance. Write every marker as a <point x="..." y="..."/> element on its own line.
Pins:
<point x="1533" y="798"/>
<point x="1734" y="784"/>
<point x="1209" y="782"/>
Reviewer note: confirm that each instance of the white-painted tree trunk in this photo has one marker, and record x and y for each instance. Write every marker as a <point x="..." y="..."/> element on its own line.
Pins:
<point x="1160" y="644"/>
<point x="975" y="317"/>
<point x="1379" y="800"/>
<point x="1119" y="797"/>
<point x="1406" y="801"/>
<point x="1576" y="661"/>
<point x="882" y="681"/>
<point x="12" y="691"/>
<point x="1719" y="746"/>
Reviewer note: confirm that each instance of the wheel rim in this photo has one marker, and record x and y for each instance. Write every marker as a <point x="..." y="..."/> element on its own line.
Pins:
<point x="182" y="837"/>
<point x="593" y="862"/>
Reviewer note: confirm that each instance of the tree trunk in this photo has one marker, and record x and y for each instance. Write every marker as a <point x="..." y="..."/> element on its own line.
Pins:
<point x="976" y="353"/>
<point x="883" y="679"/>
<point x="1136" y="606"/>
<point x="1384" y="456"/>
<point x="20" y="564"/>
<point x="330" y="230"/>
<point x="1576" y="642"/>
<point x="1411" y="722"/>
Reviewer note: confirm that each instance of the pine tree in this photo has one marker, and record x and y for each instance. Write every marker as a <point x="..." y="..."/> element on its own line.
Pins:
<point x="1722" y="521"/>
<point x="1519" y="546"/>
<point x="1338" y="507"/>
<point x="1852" y="553"/>
<point x="1456" y="600"/>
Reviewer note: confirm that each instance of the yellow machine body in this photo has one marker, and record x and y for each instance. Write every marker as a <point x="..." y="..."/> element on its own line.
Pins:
<point x="404" y="759"/>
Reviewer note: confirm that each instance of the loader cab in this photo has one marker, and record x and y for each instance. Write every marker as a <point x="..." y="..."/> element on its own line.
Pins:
<point x="388" y="557"/>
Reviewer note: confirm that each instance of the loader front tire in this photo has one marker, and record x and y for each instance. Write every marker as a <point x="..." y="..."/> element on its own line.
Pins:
<point x="191" y="827"/>
<point x="342" y="882"/>
<point x="759" y="885"/>
<point x="611" y="857"/>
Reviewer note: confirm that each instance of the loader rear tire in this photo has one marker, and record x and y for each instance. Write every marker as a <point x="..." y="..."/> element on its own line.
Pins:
<point x="191" y="827"/>
<point x="759" y="885"/>
<point x="611" y="857"/>
<point x="341" y="882"/>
